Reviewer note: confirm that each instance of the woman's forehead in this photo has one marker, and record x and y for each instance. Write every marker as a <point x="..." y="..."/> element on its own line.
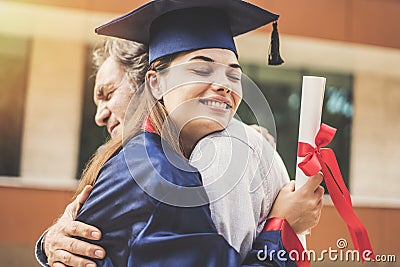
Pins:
<point x="217" y="55"/>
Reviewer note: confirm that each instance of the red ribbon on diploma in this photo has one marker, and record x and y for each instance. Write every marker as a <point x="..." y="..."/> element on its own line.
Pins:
<point x="323" y="159"/>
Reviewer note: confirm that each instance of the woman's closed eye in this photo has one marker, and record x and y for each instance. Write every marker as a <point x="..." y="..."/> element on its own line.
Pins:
<point x="200" y="68"/>
<point x="202" y="71"/>
<point x="234" y="76"/>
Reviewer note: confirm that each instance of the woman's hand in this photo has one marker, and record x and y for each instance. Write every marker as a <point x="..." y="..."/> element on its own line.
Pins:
<point x="60" y="246"/>
<point x="301" y="208"/>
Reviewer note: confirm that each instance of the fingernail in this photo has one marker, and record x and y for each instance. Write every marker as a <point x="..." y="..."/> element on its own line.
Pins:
<point x="90" y="265"/>
<point x="95" y="234"/>
<point x="99" y="253"/>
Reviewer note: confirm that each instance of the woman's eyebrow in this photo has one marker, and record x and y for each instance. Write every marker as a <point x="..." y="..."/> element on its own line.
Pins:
<point x="234" y="65"/>
<point x="202" y="58"/>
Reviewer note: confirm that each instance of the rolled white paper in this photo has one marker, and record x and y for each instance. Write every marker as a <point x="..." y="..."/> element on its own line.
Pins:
<point x="312" y="97"/>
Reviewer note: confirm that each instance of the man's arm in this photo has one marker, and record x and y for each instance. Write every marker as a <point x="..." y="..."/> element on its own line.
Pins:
<point x="265" y="133"/>
<point x="58" y="246"/>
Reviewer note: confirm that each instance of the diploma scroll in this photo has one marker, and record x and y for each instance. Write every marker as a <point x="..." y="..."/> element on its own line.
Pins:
<point x="312" y="97"/>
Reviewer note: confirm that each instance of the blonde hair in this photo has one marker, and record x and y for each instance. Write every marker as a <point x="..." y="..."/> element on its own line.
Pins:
<point x="146" y="106"/>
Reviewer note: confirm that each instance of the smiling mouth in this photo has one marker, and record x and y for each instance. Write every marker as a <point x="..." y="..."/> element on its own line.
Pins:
<point x="215" y="104"/>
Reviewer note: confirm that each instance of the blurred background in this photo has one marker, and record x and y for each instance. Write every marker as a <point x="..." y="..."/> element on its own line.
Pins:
<point x="48" y="132"/>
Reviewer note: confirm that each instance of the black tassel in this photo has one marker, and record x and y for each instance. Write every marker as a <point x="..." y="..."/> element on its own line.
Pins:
<point x="274" y="57"/>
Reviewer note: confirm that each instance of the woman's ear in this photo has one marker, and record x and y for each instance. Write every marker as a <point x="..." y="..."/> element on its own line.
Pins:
<point x="153" y="81"/>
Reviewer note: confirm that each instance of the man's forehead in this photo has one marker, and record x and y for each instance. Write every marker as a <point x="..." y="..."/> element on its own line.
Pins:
<point x="109" y="72"/>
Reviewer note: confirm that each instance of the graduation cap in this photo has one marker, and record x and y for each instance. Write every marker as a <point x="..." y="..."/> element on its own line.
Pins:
<point x="171" y="26"/>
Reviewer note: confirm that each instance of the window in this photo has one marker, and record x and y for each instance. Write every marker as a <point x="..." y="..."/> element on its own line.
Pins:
<point x="13" y="81"/>
<point x="282" y="89"/>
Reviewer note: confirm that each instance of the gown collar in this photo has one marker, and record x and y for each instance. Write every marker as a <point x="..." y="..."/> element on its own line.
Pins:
<point x="148" y="126"/>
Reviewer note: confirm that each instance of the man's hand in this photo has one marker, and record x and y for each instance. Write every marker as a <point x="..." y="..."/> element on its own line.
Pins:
<point x="301" y="208"/>
<point x="265" y="134"/>
<point x="60" y="246"/>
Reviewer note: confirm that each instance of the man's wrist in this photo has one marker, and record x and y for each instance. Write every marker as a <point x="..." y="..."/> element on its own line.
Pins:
<point x="40" y="252"/>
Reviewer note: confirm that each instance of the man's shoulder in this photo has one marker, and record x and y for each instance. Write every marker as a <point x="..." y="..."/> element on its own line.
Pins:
<point x="239" y="131"/>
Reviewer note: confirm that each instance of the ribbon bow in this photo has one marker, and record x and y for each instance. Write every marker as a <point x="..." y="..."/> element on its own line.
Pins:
<point x="323" y="159"/>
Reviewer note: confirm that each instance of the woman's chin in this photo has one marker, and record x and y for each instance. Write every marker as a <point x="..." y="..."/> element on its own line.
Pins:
<point x="203" y="127"/>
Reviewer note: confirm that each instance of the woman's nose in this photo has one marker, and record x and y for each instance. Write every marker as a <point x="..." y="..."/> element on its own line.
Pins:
<point x="221" y="88"/>
<point x="221" y="81"/>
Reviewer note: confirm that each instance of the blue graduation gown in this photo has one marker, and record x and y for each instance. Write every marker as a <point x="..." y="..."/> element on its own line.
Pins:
<point x="139" y="230"/>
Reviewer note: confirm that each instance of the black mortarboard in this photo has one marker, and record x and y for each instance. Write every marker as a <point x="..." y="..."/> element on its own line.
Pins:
<point x="171" y="26"/>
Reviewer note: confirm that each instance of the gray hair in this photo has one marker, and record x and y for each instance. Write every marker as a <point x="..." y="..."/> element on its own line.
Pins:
<point x="132" y="56"/>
